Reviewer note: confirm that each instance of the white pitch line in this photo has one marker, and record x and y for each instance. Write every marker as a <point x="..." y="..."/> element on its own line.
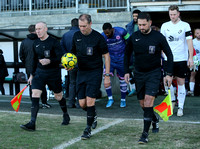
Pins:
<point x="64" y="145"/>
<point x="6" y="101"/>
<point x="46" y="114"/>
<point x="27" y="102"/>
<point x="172" y="121"/>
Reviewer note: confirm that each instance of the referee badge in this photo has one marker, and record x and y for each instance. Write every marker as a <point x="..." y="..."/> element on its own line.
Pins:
<point x="47" y="53"/>
<point x="89" y="50"/>
<point x="152" y="49"/>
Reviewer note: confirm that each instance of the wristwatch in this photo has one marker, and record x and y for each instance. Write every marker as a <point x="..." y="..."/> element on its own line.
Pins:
<point x="107" y="74"/>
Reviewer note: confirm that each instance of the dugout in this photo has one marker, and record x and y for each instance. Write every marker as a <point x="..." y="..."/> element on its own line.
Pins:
<point x="10" y="40"/>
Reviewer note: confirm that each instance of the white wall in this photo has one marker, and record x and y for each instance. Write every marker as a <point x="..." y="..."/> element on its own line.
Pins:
<point x="7" y="48"/>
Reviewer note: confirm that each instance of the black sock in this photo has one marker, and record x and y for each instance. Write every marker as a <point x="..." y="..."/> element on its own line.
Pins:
<point x="148" y="115"/>
<point x="30" y="92"/>
<point x="63" y="105"/>
<point x="85" y="109"/>
<point x="154" y="119"/>
<point x="34" y="109"/>
<point x="90" y="115"/>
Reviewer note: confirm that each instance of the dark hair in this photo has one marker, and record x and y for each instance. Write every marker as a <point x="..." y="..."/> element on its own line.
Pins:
<point x="136" y="11"/>
<point x="144" y="15"/>
<point x="1" y="51"/>
<point x="31" y="28"/>
<point x="156" y="28"/>
<point x="74" y="22"/>
<point x="107" y="26"/>
<point x="84" y="17"/>
<point x="173" y="7"/>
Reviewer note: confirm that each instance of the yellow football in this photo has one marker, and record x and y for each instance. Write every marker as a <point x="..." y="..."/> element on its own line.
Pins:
<point x="69" y="60"/>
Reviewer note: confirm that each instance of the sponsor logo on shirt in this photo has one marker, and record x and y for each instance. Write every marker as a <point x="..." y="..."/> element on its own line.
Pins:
<point x="116" y="43"/>
<point x="171" y="38"/>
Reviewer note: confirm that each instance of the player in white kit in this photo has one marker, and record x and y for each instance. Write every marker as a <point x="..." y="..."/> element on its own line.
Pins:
<point x="196" y="58"/>
<point x="179" y="37"/>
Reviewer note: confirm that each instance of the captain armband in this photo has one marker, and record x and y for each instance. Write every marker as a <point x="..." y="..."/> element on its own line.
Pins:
<point x="188" y="35"/>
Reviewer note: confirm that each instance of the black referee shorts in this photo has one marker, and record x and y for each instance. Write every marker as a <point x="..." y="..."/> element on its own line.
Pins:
<point x="89" y="83"/>
<point x="180" y="69"/>
<point x="147" y="83"/>
<point x="52" y="78"/>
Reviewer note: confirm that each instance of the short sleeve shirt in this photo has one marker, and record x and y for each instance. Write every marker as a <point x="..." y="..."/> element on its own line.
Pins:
<point x="89" y="50"/>
<point x="176" y="36"/>
<point x="116" y="43"/>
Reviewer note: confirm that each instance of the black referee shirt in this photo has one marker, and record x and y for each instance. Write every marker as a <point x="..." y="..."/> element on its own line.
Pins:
<point x="147" y="49"/>
<point x="89" y="50"/>
<point x="50" y="49"/>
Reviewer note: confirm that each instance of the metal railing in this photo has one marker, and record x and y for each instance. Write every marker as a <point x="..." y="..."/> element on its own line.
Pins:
<point x="34" y="6"/>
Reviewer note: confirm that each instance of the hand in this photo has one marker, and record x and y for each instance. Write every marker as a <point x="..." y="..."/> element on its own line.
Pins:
<point x="30" y="80"/>
<point x="168" y="81"/>
<point x="68" y="69"/>
<point x="44" y="61"/>
<point x="107" y="81"/>
<point x="127" y="77"/>
<point x="190" y="63"/>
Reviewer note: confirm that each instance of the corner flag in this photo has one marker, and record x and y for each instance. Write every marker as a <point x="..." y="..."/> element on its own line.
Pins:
<point x="165" y="108"/>
<point x="15" y="102"/>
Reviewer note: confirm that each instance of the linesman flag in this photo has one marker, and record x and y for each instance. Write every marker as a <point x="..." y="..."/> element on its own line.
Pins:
<point x="15" y="102"/>
<point x="165" y="108"/>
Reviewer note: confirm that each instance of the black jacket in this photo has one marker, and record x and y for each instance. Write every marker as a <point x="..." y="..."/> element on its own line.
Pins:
<point x="3" y="68"/>
<point x="26" y="51"/>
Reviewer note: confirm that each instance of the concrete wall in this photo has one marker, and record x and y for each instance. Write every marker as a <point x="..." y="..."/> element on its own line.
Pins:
<point x="62" y="20"/>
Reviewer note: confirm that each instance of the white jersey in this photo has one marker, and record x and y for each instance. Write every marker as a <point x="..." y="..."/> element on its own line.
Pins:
<point x="176" y="36"/>
<point x="196" y="45"/>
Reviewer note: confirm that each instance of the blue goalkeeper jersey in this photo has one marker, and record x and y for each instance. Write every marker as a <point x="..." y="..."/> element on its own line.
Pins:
<point x="117" y="43"/>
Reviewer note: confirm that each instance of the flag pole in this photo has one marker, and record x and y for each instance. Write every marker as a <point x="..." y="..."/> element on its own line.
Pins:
<point x="15" y="102"/>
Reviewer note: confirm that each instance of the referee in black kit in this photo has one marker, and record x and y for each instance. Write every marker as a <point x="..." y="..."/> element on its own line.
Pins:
<point x="45" y="67"/>
<point x="89" y="46"/>
<point x="147" y="45"/>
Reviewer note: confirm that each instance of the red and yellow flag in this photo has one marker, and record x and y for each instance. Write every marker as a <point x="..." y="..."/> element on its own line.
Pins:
<point x="165" y="108"/>
<point x="15" y="102"/>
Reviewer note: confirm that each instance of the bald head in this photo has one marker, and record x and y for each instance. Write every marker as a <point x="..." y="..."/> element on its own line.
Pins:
<point x="42" y="24"/>
<point x="41" y="30"/>
<point x="197" y="33"/>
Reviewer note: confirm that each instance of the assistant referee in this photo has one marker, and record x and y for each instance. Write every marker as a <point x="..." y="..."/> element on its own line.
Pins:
<point x="147" y="46"/>
<point x="45" y="66"/>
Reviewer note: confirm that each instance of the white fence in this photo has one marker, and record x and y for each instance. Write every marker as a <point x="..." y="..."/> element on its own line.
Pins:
<point x="33" y="6"/>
